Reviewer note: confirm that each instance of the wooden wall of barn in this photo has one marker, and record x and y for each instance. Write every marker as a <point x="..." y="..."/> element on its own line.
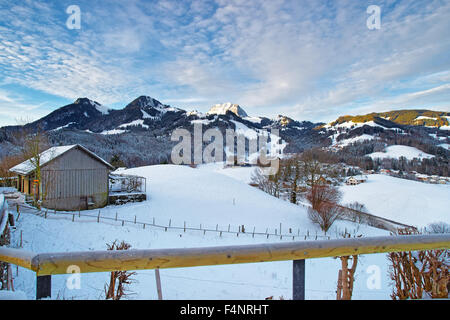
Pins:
<point x="75" y="181"/>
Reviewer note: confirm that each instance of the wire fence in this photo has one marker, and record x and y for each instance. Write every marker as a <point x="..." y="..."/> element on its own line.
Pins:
<point x="281" y="232"/>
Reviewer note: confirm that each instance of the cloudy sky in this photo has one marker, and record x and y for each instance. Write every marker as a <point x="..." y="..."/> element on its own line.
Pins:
<point x="311" y="60"/>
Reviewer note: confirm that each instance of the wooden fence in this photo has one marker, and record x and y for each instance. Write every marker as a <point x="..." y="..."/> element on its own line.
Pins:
<point x="280" y="231"/>
<point x="47" y="264"/>
<point x="3" y="213"/>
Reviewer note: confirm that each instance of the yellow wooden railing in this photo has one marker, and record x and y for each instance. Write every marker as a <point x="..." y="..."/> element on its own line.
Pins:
<point x="47" y="264"/>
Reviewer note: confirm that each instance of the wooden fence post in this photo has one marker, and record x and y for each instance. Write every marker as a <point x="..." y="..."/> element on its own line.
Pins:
<point x="298" y="285"/>
<point x="158" y="284"/>
<point x="43" y="287"/>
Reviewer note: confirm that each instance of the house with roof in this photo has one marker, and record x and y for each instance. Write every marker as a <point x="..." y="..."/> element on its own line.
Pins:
<point x="71" y="178"/>
<point x="353" y="181"/>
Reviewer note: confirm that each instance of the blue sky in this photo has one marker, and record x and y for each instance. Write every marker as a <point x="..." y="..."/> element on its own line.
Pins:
<point x="311" y="60"/>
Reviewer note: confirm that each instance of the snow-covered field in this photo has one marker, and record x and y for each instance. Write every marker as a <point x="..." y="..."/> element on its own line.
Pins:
<point x="211" y="195"/>
<point x="397" y="151"/>
<point x="410" y="202"/>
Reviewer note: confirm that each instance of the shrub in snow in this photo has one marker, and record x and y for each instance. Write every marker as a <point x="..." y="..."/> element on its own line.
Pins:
<point x="439" y="227"/>
<point x="116" y="289"/>
<point x="419" y="274"/>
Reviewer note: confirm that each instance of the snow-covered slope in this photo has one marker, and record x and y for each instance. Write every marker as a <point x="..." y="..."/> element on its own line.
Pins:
<point x="346" y="142"/>
<point x="397" y="151"/>
<point x="405" y="201"/>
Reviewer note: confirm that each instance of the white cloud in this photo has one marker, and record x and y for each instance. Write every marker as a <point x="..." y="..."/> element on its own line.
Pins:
<point x="305" y="59"/>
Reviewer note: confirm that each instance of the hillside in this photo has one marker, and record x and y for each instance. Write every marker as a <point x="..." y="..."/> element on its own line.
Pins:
<point x="402" y="117"/>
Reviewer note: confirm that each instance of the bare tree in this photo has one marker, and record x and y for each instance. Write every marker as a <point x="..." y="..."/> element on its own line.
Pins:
<point x="324" y="209"/>
<point x="270" y="184"/>
<point x="356" y="211"/>
<point x="439" y="227"/>
<point x="5" y="164"/>
<point x="32" y="144"/>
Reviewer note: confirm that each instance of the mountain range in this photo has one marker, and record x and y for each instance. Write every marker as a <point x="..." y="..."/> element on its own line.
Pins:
<point x="140" y="132"/>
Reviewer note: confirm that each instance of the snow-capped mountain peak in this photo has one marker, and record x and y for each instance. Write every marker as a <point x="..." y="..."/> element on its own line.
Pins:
<point x="149" y="105"/>
<point x="222" y="109"/>
<point x="88" y="102"/>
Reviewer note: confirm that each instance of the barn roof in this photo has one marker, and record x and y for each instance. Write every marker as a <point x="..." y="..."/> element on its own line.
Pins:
<point x="27" y="167"/>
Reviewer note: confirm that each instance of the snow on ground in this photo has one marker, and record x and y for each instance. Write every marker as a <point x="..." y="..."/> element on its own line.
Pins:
<point x="444" y="145"/>
<point x="115" y="131"/>
<point x="352" y="125"/>
<point x="243" y="174"/>
<point x="424" y="118"/>
<point x="139" y="122"/>
<point x="208" y="195"/>
<point x="10" y="295"/>
<point x="410" y="202"/>
<point x="397" y="151"/>
<point x="346" y="142"/>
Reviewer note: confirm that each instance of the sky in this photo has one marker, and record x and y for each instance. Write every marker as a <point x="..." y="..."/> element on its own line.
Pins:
<point x="309" y="60"/>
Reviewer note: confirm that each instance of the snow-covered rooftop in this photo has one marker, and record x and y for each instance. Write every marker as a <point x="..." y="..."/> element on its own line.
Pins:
<point x="47" y="156"/>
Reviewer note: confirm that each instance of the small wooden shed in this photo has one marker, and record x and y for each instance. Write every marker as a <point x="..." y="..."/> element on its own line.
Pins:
<point x="72" y="178"/>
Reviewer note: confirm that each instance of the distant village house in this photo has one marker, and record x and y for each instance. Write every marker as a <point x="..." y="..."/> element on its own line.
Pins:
<point x="352" y="181"/>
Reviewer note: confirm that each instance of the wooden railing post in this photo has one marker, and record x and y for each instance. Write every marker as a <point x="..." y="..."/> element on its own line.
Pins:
<point x="43" y="287"/>
<point x="158" y="284"/>
<point x="298" y="285"/>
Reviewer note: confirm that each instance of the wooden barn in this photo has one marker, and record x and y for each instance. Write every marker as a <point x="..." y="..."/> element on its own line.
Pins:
<point x="72" y="178"/>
